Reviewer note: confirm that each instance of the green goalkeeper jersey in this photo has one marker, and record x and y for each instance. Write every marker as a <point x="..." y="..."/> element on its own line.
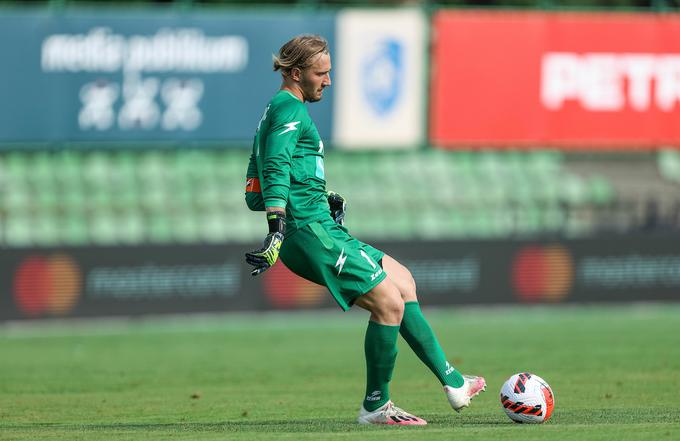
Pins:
<point x="287" y="159"/>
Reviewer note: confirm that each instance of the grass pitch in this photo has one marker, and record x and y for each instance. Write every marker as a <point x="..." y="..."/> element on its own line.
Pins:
<point x="615" y="373"/>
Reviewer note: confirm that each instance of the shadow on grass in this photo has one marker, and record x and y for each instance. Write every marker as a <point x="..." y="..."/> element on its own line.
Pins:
<point x="324" y="425"/>
<point x="334" y="425"/>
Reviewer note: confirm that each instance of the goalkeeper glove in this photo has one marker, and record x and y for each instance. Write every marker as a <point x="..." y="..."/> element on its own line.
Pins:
<point x="266" y="256"/>
<point x="338" y="205"/>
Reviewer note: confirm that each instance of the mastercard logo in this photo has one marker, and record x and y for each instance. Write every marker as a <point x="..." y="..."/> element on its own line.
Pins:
<point x="542" y="273"/>
<point x="47" y="285"/>
<point x="285" y="289"/>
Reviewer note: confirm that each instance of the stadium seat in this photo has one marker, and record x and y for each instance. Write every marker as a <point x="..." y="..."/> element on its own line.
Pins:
<point x="196" y="195"/>
<point x="668" y="162"/>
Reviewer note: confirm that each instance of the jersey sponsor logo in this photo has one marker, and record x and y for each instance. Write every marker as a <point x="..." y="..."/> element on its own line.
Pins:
<point x="341" y="261"/>
<point x="290" y="127"/>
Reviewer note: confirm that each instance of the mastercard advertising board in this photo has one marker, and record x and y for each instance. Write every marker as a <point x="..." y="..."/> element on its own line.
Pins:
<point x="570" y="80"/>
<point x="129" y="281"/>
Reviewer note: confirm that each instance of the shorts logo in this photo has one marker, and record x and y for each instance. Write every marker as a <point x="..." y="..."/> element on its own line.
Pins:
<point x="341" y="261"/>
<point x="368" y="259"/>
<point x="373" y="265"/>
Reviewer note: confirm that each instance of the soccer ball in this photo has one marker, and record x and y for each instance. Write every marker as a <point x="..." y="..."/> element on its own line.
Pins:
<point x="527" y="398"/>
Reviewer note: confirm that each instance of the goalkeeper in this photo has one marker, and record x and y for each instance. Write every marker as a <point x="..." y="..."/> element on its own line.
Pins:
<point x="286" y="179"/>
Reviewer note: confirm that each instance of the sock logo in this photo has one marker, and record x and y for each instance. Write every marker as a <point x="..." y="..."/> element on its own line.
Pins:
<point x="376" y="395"/>
<point x="449" y="369"/>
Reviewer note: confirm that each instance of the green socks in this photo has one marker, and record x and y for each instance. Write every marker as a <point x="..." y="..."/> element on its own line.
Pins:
<point x="381" y="352"/>
<point x="419" y="335"/>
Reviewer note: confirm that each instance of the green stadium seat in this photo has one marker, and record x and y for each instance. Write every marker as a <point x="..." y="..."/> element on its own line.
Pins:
<point x="67" y="166"/>
<point x="45" y="230"/>
<point x="99" y="198"/>
<point x="528" y="220"/>
<point x="95" y="172"/>
<point x="433" y="224"/>
<point x="185" y="228"/>
<point x="574" y="189"/>
<point x="103" y="228"/>
<point x="17" y="229"/>
<point x="552" y="219"/>
<point x="668" y="162"/>
<point x="16" y="197"/>
<point x="214" y="228"/>
<point x="159" y="229"/>
<point x="601" y="191"/>
<point x="16" y="166"/>
<point x="42" y="170"/>
<point x="131" y="227"/>
<point x="74" y="230"/>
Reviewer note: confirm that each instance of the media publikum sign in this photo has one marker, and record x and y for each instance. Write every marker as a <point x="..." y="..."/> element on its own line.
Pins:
<point x="145" y="75"/>
<point x="560" y="79"/>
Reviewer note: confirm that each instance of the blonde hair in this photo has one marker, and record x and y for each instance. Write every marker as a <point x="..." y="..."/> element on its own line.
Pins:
<point x="299" y="52"/>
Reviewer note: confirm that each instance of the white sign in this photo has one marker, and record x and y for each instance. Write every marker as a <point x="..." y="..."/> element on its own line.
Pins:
<point x="610" y="82"/>
<point x="168" y="50"/>
<point x="139" y="108"/>
<point x="379" y="79"/>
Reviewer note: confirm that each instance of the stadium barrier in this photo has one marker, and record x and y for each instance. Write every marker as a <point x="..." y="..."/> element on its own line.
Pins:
<point x="124" y="281"/>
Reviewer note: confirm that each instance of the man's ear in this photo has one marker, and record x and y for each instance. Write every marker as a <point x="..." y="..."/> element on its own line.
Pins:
<point x="295" y="74"/>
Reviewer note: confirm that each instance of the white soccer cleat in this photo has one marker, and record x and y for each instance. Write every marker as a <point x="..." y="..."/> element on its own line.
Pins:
<point x="389" y="414"/>
<point x="460" y="397"/>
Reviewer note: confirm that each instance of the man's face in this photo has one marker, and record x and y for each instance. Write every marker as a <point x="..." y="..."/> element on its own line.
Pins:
<point x="314" y="78"/>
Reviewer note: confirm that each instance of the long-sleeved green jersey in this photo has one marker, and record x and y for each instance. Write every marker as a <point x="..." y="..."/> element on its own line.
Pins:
<point x="287" y="159"/>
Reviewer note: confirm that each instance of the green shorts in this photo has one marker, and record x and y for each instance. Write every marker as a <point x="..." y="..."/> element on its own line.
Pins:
<point x="326" y="254"/>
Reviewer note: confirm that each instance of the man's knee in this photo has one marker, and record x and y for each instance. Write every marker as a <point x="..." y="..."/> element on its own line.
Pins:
<point x="384" y="302"/>
<point x="401" y="277"/>
<point x="392" y="306"/>
<point x="409" y="294"/>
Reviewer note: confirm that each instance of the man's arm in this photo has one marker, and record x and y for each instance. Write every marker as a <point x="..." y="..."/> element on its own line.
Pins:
<point x="282" y="137"/>
<point x="280" y="141"/>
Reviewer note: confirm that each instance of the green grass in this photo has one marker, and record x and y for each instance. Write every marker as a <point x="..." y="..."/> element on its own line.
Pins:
<point x="615" y="373"/>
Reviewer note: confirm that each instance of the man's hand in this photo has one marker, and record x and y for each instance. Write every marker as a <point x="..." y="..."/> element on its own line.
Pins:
<point x="338" y="206"/>
<point x="266" y="256"/>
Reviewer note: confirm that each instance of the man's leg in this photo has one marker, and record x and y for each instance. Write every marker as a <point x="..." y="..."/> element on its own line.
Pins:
<point x="380" y="345"/>
<point x="421" y="338"/>
<point x="387" y="309"/>
<point x="415" y="328"/>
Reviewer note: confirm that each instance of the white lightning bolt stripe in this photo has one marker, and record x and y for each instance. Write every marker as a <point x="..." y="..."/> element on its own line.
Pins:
<point x="290" y="127"/>
<point x="341" y="261"/>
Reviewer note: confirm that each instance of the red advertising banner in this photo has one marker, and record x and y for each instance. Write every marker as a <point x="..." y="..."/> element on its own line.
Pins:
<point x="571" y="80"/>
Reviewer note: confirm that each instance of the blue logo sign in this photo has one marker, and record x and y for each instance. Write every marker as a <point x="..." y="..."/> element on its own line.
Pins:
<point x="383" y="76"/>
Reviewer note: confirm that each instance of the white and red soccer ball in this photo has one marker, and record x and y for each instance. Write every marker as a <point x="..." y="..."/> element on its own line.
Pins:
<point x="527" y="398"/>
